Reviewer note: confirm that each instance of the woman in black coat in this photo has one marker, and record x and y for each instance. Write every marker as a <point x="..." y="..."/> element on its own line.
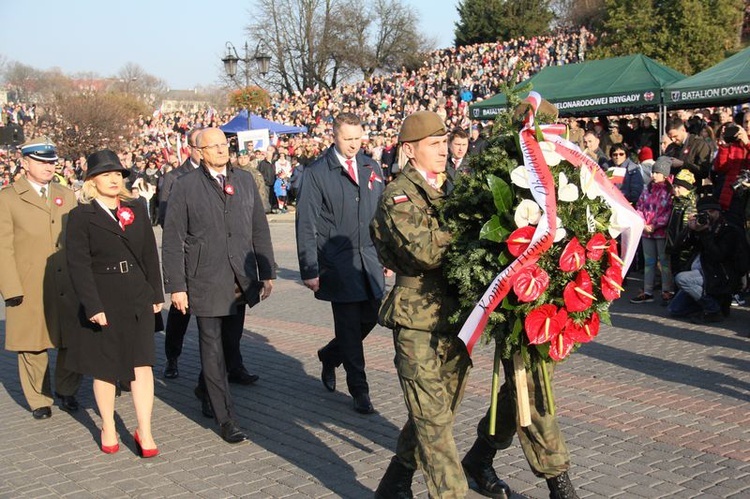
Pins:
<point x="114" y="266"/>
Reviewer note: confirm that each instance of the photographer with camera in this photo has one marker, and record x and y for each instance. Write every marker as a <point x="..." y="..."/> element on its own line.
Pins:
<point x="730" y="184"/>
<point x="719" y="259"/>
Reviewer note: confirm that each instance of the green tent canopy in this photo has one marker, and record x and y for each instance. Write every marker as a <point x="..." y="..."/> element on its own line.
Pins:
<point x="726" y="83"/>
<point x="619" y="85"/>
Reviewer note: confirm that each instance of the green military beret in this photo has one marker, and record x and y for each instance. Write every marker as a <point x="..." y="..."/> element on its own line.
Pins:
<point x="421" y="124"/>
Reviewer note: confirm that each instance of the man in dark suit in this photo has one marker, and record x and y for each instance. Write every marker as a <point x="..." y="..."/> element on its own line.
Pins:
<point x="217" y="257"/>
<point x="690" y="152"/>
<point x="337" y="259"/>
<point x="268" y="170"/>
<point x="458" y="146"/>
<point x="477" y="143"/>
<point x="177" y="322"/>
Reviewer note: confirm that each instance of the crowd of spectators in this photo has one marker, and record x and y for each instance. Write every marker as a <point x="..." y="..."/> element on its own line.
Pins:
<point x="448" y="81"/>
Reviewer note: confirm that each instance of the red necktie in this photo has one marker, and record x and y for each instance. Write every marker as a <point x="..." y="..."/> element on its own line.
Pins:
<point x="350" y="169"/>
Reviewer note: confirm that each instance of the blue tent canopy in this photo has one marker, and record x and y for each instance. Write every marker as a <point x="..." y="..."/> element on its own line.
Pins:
<point x="239" y="124"/>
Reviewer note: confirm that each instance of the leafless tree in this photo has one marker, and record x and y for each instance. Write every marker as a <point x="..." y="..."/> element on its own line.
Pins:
<point x="134" y="80"/>
<point x="576" y="13"/>
<point x="320" y="43"/>
<point x="95" y="120"/>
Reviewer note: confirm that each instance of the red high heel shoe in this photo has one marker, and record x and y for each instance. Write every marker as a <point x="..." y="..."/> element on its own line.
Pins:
<point x="109" y="449"/>
<point x="141" y="451"/>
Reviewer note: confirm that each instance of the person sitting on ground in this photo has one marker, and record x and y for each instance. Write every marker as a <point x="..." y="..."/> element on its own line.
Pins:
<point x="714" y="267"/>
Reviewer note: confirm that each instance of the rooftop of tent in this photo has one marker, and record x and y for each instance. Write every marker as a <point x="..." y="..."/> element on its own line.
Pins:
<point x="608" y="86"/>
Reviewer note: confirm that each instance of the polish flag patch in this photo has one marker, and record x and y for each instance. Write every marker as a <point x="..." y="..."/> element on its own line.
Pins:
<point x="401" y="198"/>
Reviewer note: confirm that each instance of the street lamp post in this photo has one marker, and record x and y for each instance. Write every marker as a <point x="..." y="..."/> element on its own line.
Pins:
<point x="261" y="58"/>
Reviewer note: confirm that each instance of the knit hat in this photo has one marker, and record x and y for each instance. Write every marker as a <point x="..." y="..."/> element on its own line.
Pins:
<point x="662" y="165"/>
<point x="645" y="153"/>
<point x="684" y="178"/>
<point x="708" y="202"/>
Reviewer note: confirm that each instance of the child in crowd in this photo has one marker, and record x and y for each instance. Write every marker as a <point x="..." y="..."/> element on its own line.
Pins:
<point x="280" y="189"/>
<point x="683" y="208"/>
<point x="655" y="206"/>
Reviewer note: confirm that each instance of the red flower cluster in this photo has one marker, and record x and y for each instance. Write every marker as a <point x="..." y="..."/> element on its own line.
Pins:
<point x="548" y="324"/>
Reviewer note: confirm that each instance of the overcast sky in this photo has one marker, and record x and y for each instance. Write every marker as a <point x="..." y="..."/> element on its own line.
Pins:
<point x="179" y="42"/>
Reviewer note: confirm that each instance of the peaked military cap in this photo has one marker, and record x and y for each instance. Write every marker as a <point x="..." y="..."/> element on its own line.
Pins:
<point x="40" y="149"/>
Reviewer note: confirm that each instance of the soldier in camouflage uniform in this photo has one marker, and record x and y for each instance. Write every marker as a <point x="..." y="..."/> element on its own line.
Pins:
<point x="432" y="363"/>
<point x="251" y="165"/>
<point x="543" y="443"/>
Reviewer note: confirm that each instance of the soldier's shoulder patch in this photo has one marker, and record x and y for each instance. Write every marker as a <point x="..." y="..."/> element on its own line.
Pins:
<point x="401" y="198"/>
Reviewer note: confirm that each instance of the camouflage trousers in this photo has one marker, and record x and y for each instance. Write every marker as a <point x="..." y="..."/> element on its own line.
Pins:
<point x="542" y="442"/>
<point x="432" y="371"/>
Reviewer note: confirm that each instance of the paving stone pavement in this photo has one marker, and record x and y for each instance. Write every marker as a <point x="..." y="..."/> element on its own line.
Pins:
<point x="653" y="408"/>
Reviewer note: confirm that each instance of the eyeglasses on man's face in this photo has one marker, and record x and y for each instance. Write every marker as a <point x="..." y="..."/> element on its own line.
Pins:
<point x="616" y="154"/>
<point x="215" y="147"/>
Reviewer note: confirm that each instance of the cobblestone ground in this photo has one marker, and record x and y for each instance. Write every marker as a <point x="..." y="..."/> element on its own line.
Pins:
<point x="653" y="408"/>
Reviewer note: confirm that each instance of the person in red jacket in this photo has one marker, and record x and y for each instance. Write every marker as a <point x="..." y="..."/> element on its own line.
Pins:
<point x="733" y="156"/>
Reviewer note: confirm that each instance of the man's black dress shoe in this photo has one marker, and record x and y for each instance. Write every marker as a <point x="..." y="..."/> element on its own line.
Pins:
<point x="206" y="408"/>
<point x="231" y="433"/>
<point x="171" y="371"/>
<point x="68" y="403"/>
<point x="328" y="374"/>
<point x="42" y="413"/>
<point x="362" y="404"/>
<point x="242" y="377"/>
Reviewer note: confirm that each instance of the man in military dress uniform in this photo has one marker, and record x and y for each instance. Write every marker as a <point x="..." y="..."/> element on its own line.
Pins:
<point x="431" y="361"/>
<point x="39" y="299"/>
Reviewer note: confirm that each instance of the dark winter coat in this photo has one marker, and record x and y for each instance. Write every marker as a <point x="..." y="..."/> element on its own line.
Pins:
<point x="213" y="240"/>
<point x="114" y="271"/>
<point x="333" y="236"/>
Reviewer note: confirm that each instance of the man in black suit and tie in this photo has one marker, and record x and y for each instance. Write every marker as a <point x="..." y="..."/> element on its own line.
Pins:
<point x="217" y="257"/>
<point x="337" y="259"/>
<point x="177" y="322"/>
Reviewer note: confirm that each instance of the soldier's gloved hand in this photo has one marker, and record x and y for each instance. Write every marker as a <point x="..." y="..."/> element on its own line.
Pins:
<point x="14" y="302"/>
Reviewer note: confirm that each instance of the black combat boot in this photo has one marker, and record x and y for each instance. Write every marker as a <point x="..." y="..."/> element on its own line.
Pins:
<point x="560" y="487"/>
<point x="478" y="466"/>
<point x="396" y="483"/>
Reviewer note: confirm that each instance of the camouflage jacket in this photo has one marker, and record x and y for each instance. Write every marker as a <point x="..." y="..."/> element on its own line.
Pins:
<point x="410" y="241"/>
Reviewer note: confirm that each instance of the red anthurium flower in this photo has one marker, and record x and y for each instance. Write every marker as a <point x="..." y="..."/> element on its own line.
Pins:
<point x="578" y="295"/>
<point x="612" y="284"/>
<point x="614" y="255"/>
<point x="520" y="239"/>
<point x="561" y="345"/>
<point x="573" y="256"/>
<point x="585" y="332"/>
<point x="544" y="323"/>
<point x="596" y="246"/>
<point x="530" y="283"/>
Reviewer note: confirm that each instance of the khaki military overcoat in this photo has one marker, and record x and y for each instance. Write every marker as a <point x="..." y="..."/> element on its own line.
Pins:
<point x="32" y="265"/>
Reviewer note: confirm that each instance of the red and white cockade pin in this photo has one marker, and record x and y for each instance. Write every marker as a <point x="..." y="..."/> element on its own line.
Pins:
<point x="229" y="189"/>
<point x="125" y="216"/>
<point x="373" y="178"/>
<point x="59" y="201"/>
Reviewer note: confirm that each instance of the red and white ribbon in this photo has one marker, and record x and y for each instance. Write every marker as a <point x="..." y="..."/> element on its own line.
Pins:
<point x="542" y="187"/>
